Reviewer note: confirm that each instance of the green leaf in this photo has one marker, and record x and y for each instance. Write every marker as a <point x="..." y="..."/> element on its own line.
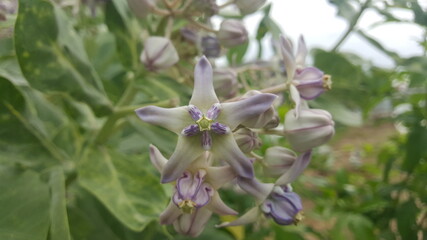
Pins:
<point x="123" y="185"/>
<point x="407" y="219"/>
<point x="59" y="229"/>
<point x="24" y="202"/>
<point x="345" y="8"/>
<point x="52" y="55"/>
<point x="118" y="23"/>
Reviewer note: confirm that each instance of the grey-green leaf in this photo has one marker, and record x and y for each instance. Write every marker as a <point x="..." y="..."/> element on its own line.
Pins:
<point x="123" y="185"/>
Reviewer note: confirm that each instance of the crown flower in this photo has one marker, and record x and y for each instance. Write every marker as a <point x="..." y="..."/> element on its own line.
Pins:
<point x="206" y="125"/>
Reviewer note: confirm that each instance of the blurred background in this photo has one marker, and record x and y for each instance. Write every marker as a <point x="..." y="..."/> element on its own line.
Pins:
<point x="73" y="166"/>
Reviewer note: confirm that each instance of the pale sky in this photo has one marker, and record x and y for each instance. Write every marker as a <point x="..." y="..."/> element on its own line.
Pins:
<point x="321" y="27"/>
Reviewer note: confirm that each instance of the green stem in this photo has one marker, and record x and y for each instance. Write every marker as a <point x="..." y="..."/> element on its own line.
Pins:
<point x="352" y="25"/>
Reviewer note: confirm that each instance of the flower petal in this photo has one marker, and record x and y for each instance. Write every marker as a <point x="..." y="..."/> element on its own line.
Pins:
<point x="217" y="206"/>
<point x="193" y="224"/>
<point x="288" y="57"/>
<point x="186" y="151"/>
<point x="301" y="52"/>
<point x="203" y="195"/>
<point x="234" y="113"/>
<point x="204" y="95"/>
<point x="173" y="119"/>
<point x="255" y="188"/>
<point x="295" y="95"/>
<point x="156" y="157"/>
<point x="249" y="217"/>
<point x="170" y="214"/>
<point x="297" y="168"/>
<point x="218" y="176"/>
<point x="226" y="149"/>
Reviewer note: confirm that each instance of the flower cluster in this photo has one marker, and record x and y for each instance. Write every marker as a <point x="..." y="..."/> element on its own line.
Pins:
<point x="217" y="139"/>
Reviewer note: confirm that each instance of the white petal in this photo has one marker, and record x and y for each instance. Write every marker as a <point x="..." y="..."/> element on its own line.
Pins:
<point x="249" y="217"/>
<point x="156" y="157"/>
<point x="173" y="119"/>
<point x="297" y="168"/>
<point x="217" y="206"/>
<point x="296" y="98"/>
<point x="218" y="176"/>
<point x="224" y="148"/>
<point x="301" y="52"/>
<point x="234" y="113"/>
<point x="193" y="224"/>
<point x="186" y="151"/>
<point x="255" y="188"/>
<point x="170" y="214"/>
<point x="204" y="95"/>
<point x="288" y="57"/>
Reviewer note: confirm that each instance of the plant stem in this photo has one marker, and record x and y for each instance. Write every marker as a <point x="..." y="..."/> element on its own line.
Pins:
<point x="352" y="25"/>
<point x="202" y="26"/>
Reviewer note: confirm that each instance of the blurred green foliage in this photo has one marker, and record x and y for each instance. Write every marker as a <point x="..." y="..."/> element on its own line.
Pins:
<point x="74" y="158"/>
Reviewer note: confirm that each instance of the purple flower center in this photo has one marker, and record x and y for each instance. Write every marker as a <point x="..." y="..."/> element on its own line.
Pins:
<point x="204" y="124"/>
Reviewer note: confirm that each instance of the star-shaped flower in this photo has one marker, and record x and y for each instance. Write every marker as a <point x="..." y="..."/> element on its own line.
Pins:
<point x="206" y="125"/>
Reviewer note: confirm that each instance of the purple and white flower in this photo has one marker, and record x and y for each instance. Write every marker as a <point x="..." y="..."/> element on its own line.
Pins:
<point x="304" y="82"/>
<point x="206" y="125"/>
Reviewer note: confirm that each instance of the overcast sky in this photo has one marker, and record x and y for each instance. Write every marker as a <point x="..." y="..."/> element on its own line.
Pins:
<point x="321" y="27"/>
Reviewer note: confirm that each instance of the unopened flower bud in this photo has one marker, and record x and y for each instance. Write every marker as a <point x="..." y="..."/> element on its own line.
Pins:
<point x="159" y="53"/>
<point x="311" y="82"/>
<point x="247" y="140"/>
<point x="225" y="82"/>
<point x="210" y="46"/>
<point x="269" y="117"/>
<point x="232" y="33"/>
<point x="278" y="160"/>
<point x="249" y="6"/>
<point x="312" y="128"/>
<point x="141" y="8"/>
<point x="208" y="7"/>
<point x="283" y="206"/>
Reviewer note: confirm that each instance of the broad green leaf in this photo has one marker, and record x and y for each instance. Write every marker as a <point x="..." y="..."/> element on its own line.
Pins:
<point x="119" y="23"/>
<point x="407" y="219"/>
<point x="123" y="185"/>
<point x="24" y="202"/>
<point x="345" y="8"/>
<point x="52" y="56"/>
<point x="59" y="229"/>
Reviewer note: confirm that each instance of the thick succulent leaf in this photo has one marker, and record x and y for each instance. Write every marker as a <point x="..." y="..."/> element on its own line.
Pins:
<point x="123" y="185"/>
<point x="52" y="56"/>
<point x="24" y="202"/>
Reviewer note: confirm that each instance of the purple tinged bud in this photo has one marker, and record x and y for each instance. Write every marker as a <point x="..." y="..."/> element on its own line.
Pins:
<point x="312" y="128"/>
<point x="269" y="118"/>
<point x="225" y="82"/>
<point x="206" y="7"/>
<point x="232" y="33"/>
<point x="189" y="34"/>
<point x="210" y="46"/>
<point x="249" y="6"/>
<point x="278" y="160"/>
<point x="311" y="82"/>
<point x="159" y="53"/>
<point x="283" y="206"/>
<point x="141" y="8"/>
<point x="247" y="140"/>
